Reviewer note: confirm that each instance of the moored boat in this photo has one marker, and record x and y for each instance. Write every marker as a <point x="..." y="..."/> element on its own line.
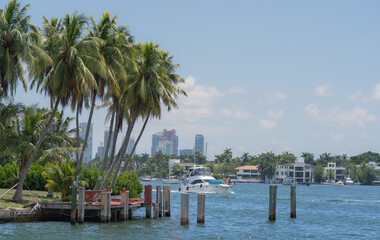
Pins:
<point x="349" y="181"/>
<point x="200" y="180"/>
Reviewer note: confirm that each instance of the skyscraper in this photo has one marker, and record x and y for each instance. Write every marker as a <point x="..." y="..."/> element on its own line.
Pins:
<point x="199" y="144"/>
<point x="131" y="143"/>
<point x="101" y="151"/>
<point x="88" y="152"/>
<point x="165" y="141"/>
<point x="106" y="134"/>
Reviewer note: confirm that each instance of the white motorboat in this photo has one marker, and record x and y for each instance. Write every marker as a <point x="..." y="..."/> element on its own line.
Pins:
<point x="289" y="181"/>
<point x="349" y="181"/>
<point x="339" y="183"/>
<point x="171" y="180"/>
<point x="200" y="180"/>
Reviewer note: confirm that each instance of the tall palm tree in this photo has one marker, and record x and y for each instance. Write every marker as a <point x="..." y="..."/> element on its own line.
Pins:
<point x="18" y="45"/>
<point x="153" y="84"/>
<point x="72" y="60"/>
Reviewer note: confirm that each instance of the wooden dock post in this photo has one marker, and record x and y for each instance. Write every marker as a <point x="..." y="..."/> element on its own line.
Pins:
<point x="105" y="212"/>
<point x="148" y="200"/>
<point x="184" y="208"/>
<point x="73" y="205"/>
<point x="293" y="202"/>
<point x="201" y="208"/>
<point x="272" y="202"/>
<point x="81" y="194"/>
<point x="125" y="202"/>
<point x="155" y="210"/>
<point x="167" y="201"/>
<point x="159" y="200"/>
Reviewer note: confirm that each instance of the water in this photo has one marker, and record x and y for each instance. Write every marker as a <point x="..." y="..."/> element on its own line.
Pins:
<point x="323" y="212"/>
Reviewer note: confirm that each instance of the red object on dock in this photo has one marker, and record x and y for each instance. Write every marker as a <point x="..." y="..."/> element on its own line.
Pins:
<point x="148" y="194"/>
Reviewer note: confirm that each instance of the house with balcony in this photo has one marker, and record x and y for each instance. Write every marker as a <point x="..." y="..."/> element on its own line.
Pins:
<point x="294" y="172"/>
<point x="248" y="172"/>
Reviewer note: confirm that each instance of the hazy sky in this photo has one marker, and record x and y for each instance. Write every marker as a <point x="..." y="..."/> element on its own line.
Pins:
<point x="298" y="76"/>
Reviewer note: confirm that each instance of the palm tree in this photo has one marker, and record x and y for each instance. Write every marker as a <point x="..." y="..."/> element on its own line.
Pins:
<point x="73" y="58"/>
<point x="153" y="84"/>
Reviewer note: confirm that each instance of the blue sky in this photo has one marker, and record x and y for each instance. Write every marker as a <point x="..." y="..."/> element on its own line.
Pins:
<point x="298" y="76"/>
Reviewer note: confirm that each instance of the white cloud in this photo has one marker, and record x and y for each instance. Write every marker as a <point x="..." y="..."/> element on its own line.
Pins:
<point x="322" y="90"/>
<point x="238" y="114"/>
<point x="336" y="136"/>
<point x="189" y="82"/>
<point x="275" y="114"/>
<point x="237" y="90"/>
<point x="365" y="136"/>
<point x="359" y="97"/>
<point x="356" y="116"/>
<point x="376" y="92"/>
<point x="280" y="95"/>
<point x="267" y="124"/>
<point x="200" y="96"/>
<point x="242" y="114"/>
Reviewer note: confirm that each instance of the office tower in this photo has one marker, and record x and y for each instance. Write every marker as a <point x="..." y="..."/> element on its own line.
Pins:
<point x="101" y="151"/>
<point x="131" y="143"/>
<point x="106" y="134"/>
<point x="88" y="152"/>
<point x="165" y="141"/>
<point x="186" y="152"/>
<point x="199" y="143"/>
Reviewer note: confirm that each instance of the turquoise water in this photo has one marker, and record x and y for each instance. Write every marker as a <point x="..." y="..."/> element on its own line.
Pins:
<point x="323" y="212"/>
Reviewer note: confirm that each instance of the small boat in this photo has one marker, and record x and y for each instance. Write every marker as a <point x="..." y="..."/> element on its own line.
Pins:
<point x="349" y="181"/>
<point x="200" y="180"/>
<point x="145" y="179"/>
<point x="289" y="181"/>
<point x="339" y="183"/>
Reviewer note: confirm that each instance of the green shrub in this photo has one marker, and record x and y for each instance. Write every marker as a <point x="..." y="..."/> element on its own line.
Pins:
<point x="34" y="180"/>
<point x="131" y="182"/>
<point x="90" y="175"/>
<point x="8" y="175"/>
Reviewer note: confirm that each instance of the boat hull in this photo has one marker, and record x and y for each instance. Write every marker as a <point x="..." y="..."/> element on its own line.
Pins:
<point x="206" y="189"/>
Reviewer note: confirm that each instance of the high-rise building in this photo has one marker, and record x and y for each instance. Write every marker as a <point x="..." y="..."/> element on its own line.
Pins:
<point x="106" y="134"/>
<point x="165" y="141"/>
<point x="88" y="152"/>
<point x="131" y="143"/>
<point x="101" y="151"/>
<point x="199" y="144"/>
<point x="186" y="152"/>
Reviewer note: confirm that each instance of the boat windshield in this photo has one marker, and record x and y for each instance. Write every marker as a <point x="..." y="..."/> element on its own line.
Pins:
<point x="200" y="171"/>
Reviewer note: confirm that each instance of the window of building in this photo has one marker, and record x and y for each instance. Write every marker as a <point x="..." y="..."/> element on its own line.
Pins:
<point x="247" y="171"/>
<point x="276" y="173"/>
<point x="299" y="168"/>
<point x="282" y="173"/>
<point x="290" y="174"/>
<point x="299" y="174"/>
<point x="307" y="174"/>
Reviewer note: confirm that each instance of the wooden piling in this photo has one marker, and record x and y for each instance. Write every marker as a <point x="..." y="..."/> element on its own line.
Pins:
<point x="155" y="210"/>
<point x="159" y="200"/>
<point x="272" y="202"/>
<point x="167" y="201"/>
<point x="73" y="205"/>
<point x="293" y="202"/>
<point x="125" y="202"/>
<point x="184" y="209"/>
<point x="81" y="194"/>
<point x="105" y="212"/>
<point x="201" y="208"/>
<point x="148" y="200"/>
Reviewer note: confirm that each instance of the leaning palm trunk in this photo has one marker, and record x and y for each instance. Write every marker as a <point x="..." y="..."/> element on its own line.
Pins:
<point x="79" y="163"/>
<point x="77" y="134"/>
<point x="105" y="157"/>
<point x="121" y="154"/>
<point x="18" y="194"/>
<point x="137" y="142"/>
<point x="119" y="157"/>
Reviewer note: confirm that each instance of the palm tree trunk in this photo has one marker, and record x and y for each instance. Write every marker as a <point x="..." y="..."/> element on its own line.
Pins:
<point x="106" y="151"/>
<point x="79" y="163"/>
<point x="137" y="142"/>
<point x="116" y="163"/>
<point x="18" y="194"/>
<point x="77" y="133"/>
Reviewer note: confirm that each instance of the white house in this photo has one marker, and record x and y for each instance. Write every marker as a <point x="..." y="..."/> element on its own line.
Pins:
<point x="295" y="172"/>
<point x="338" y="171"/>
<point x="247" y="172"/>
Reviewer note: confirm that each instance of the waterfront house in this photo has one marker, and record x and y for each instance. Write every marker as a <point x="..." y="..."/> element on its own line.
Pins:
<point x="247" y="171"/>
<point x="294" y="172"/>
<point x="338" y="171"/>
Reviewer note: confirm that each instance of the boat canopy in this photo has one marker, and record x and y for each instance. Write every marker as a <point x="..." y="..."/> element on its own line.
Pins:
<point x="201" y="171"/>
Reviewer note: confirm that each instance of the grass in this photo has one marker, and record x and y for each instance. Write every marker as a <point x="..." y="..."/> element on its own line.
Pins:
<point x="29" y="197"/>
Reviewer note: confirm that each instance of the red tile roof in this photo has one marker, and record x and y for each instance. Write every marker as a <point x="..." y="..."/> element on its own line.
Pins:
<point x="247" y="167"/>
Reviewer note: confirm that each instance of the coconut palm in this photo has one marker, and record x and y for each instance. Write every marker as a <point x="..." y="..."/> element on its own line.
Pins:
<point x="153" y="84"/>
<point x="74" y="60"/>
<point x="19" y="43"/>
